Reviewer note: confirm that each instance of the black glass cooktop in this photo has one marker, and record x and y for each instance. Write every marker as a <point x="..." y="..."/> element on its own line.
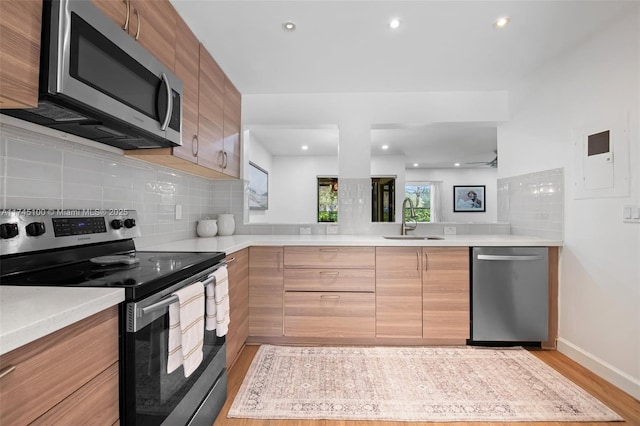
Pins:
<point x="153" y="272"/>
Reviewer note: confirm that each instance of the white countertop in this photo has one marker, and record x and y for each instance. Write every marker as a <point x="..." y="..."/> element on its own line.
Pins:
<point x="28" y="313"/>
<point x="233" y="243"/>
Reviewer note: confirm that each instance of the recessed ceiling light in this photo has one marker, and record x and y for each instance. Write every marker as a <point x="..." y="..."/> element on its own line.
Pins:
<point x="394" y="23"/>
<point x="457" y="164"/>
<point x="415" y="164"/>
<point x="501" y="22"/>
<point x="305" y="147"/>
<point x="385" y="147"/>
<point x="289" y="26"/>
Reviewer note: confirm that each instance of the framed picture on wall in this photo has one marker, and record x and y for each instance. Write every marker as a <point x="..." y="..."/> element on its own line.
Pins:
<point x="258" y="187"/>
<point x="469" y="198"/>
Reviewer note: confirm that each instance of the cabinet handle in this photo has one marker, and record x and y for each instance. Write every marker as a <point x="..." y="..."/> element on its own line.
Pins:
<point x="417" y="260"/>
<point x="195" y="144"/>
<point x="233" y="259"/>
<point x="6" y="371"/>
<point x="426" y="261"/>
<point x="333" y="273"/>
<point x="225" y="158"/>
<point x="135" y="11"/>
<point x="126" y="21"/>
<point x="329" y="250"/>
<point x="330" y="296"/>
<point x="221" y="159"/>
<point x="278" y="260"/>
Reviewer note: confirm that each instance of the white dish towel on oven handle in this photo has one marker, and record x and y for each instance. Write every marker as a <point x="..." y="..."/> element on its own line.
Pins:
<point x="186" y="329"/>
<point x="217" y="304"/>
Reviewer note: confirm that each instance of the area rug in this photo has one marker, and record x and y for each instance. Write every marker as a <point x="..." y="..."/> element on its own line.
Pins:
<point x="420" y="384"/>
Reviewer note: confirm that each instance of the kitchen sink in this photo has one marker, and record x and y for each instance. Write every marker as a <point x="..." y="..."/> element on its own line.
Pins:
<point x="412" y="237"/>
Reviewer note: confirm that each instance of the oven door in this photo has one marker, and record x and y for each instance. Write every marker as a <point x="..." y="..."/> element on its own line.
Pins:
<point x="150" y="396"/>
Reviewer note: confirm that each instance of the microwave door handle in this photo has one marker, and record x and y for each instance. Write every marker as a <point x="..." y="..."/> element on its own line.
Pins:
<point x="167" y="117"/>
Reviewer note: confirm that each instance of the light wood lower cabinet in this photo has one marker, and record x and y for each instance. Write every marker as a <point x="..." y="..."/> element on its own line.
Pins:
<point x="266" y="290"/>
<point x="329" y="292"/>
<point x="238" y="267"/>
<point x="67" y="377"/>
<point x="445" y="294"/>
<point x="329" y="314"/>
<point x="399" y="292"/>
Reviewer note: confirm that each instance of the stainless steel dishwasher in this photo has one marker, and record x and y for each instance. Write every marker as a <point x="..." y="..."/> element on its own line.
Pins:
<point x="509" y="294"/>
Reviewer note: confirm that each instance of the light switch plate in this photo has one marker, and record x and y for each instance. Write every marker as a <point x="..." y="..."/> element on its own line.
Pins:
<point x="449" y="230"/>
<point x="178" y="211"/>
<point x="631" y="213"/>
<point x="305" y="230"/>
<point x="332" y="229"/>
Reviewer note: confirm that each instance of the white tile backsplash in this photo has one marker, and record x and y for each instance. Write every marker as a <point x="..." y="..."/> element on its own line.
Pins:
<point x="533" y="203"/>
<point x="42" y="171"/>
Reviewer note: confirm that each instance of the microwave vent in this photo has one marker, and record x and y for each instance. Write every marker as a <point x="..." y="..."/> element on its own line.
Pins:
<point x="56" y="113"/>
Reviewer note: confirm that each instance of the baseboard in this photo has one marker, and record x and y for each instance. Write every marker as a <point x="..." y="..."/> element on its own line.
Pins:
<point x="627" y="383"/>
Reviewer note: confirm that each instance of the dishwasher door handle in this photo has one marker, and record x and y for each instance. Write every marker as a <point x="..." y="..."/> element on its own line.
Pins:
<point x="503" y="257"/>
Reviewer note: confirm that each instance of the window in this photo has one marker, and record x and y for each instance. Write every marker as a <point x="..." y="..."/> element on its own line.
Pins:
<point x="327" y="199"/>
<point x="383" y="198"/>
<point x="420" y="195"/>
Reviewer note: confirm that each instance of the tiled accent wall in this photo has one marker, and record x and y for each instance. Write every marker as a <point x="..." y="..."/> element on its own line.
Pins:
<point x="533" y="203"/>
<point x="41" y="171"/>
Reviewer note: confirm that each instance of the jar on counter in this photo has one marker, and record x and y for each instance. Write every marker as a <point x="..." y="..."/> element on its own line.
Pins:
<point x="207" y="227"/>
<point x="226" y="224"/>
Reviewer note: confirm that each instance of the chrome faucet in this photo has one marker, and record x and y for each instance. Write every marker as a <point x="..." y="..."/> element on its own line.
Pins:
<point x="412" y="214"/>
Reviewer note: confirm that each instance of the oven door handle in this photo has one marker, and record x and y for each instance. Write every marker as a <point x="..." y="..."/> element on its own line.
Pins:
<point x="163" y="303"/>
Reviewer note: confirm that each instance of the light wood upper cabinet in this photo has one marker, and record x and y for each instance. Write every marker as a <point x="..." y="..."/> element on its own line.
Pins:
<point x="238" y="267"/>
<point x="445" y="284"/>
<point x="399" y="292"/>
<point x="20" y="27"/>
<point x="231" y="129"/>
<point x="151" y="22"/>
<point x="210" y="113"/>
<point x="266" y="291"/>
<point x="188" y="70"/>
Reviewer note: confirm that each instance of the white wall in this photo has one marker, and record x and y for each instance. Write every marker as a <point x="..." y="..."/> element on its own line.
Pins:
<point x="596" y="83"/>
<point x="451" y="177"/>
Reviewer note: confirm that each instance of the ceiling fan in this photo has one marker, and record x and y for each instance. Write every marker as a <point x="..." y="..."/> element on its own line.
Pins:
<point x="493" y="163"/>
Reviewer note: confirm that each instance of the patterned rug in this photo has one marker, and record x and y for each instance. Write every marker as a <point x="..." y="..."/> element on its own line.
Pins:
<point x="410" y="384"/>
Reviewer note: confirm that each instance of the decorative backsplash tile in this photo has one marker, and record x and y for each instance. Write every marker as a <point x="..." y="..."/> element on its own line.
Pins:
<point x="533" y="203"/>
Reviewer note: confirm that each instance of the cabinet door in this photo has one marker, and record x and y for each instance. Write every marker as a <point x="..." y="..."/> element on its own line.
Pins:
<point x="231" y="128"/>
<point x="446" y="293"/>
<point x="210" y="112"/>
<point x="187" y="70"/>
<point x="266" y="288"/>
<point x="398" y="292"/>
<point x="57" y="366"/>
<point x="20" y="25"/>
<point x="238" y="265"/>
<point x="117" y="10"/>
<point x="153" y="22"/>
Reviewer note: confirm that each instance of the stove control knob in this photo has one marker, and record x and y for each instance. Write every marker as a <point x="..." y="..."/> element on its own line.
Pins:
<point x="116" y="223"/>
<point x="35" y="228"/>
<point x="8" y="230"/>
<point x="129" y="223"/>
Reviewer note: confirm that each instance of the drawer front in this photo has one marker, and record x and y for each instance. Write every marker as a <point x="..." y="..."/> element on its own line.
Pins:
<point x="330" y="257"/>
<point x="363" y="280"/>
<point x="329" y="314"/>
<point x="55" y="366"/>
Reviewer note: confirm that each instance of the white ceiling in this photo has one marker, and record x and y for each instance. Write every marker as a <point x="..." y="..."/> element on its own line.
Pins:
<point x="347" y="46"/>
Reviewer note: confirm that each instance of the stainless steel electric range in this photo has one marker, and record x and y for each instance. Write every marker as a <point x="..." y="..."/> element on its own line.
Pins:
<point x="95" y="248"/>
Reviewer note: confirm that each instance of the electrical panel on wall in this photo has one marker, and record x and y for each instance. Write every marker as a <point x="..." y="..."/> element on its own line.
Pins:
<point x="598" y="172"/>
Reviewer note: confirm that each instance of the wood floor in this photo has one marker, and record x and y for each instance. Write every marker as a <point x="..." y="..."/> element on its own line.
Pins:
<point x="617" y="400"/>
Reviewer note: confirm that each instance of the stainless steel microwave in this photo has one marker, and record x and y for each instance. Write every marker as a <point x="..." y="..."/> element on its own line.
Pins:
<point x="99" y="83"/>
